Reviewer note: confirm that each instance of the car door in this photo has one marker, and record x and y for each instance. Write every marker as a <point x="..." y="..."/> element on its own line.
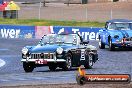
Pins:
<point x="105" y="34"/>
<point x="76" y="57"/>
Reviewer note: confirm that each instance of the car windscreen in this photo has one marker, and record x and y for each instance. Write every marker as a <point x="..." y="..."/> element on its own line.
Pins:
<point x="120" y="26"/>
<point x="131" y="26"/>
<point x="59" y="39"/>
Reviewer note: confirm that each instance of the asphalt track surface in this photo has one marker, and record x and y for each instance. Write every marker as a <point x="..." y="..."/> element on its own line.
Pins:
<point x="12" y="73"/>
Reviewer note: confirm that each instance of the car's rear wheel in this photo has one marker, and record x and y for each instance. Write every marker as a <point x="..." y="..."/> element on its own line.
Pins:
<point x="101" y="44"/>
<point x="68" y="64"/>
<point x="111" y="46"/>
<point x="52" y="66"/>
<point x="89" y="62"/>
<point x="28" y="67"/>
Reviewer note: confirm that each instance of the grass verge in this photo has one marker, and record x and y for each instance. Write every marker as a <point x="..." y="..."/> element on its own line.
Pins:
<point x="37" y="22"/>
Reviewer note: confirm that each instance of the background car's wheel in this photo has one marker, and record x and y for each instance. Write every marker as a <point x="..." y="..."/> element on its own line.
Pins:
<point x="111" y="46"/>
<point x="52" y="66"/>
<point x="28" y="67"/>
<point x="89" y="62"/>
<point x="101" y="45"/>
<point x="68" y="64"/>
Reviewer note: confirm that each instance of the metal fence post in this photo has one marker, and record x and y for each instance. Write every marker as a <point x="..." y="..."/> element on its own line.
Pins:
<point x="39" y="9"/>
<point x="44" y="2"/>
<point x="68" y="2"/>
<point x="111" y="14"/>
<point x="86" y="14"/>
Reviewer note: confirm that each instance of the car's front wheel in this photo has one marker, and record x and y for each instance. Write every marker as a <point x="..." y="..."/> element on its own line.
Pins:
<point x="68" y="64"/>
<point x="101" y="44"/>
<point x="89" y="62"/>
<point x="111" y="46"/>
<point x="28" y="67"/>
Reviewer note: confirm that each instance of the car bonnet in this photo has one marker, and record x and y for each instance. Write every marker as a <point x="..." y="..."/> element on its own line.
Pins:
<point x="121" y="33"/>
<point x="49" y="48"/>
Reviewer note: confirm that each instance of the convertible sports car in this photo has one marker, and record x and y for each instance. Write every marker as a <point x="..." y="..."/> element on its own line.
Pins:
<point x="59" y="50"/>
<point x="117" y="33"/>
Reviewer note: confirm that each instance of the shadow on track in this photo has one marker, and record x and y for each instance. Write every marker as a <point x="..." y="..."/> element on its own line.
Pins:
<point x="118" y="49"/>
<point x="59" y="70"/>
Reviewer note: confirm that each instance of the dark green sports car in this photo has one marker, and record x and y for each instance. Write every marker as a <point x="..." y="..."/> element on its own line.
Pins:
<point x="59" y="50"/>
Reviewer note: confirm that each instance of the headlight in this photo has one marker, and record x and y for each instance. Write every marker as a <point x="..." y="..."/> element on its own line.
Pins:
<point x="24" y="50"/>
<point x="59" y="50"/>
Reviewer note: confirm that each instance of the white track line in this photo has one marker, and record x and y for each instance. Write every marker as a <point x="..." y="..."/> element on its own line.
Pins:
<point x="2" y="63"/>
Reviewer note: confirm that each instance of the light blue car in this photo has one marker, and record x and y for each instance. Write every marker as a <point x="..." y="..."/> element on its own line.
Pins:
<point x="117" y="33"/>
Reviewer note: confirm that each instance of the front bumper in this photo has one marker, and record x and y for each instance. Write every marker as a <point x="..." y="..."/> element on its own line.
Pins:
<point x="125" y="44"/>
<point x="43" y="60"/>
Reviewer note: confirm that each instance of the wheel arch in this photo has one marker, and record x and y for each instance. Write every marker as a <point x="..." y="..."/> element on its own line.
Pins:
<point x="99" y="37"/>
<point x="69" y="52"/>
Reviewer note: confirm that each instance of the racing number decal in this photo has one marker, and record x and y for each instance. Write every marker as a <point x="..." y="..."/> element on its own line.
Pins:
<point x="82" y="54"/>
<point x="41" y="61"/>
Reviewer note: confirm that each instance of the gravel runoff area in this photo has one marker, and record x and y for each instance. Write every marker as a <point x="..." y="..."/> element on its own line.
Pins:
<point x="77" y="12"/>
<point x="73" y="86"/>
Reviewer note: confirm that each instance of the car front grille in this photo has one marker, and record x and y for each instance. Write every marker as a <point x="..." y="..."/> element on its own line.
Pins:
<point x="129" y="39"/>
<point x="43" y="56"/>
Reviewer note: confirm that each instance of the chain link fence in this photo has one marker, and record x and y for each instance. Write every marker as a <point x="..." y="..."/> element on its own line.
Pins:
<point x="75" y="12"/>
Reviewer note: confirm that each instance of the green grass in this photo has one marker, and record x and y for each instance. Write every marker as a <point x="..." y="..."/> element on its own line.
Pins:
<point x="36" y="22"/>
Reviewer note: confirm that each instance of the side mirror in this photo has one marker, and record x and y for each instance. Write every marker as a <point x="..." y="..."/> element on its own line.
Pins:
<point x="85" y="42"/>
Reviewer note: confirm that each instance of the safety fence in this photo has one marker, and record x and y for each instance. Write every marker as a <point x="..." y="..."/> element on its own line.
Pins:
<point x="15" y="31"/>
<point x="100" y="12"/>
